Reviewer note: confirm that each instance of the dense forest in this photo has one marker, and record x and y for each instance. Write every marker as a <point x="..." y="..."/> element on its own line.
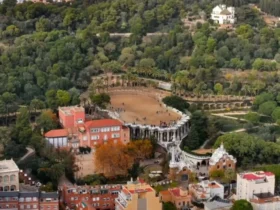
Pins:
<point x="50" y="52"/>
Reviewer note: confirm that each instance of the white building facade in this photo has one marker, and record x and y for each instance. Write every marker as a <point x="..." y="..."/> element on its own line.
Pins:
<point x="223" y="15"/>
<point x="207" y="189"/>
<point x="9" y="176"/>
<point x="258" y="188"/>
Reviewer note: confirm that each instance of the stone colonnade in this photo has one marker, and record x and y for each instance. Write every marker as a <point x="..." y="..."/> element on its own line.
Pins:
<point x="164" y="135"/>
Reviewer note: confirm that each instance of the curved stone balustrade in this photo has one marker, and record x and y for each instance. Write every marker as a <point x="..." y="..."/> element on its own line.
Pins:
<point x="168" y="137"/>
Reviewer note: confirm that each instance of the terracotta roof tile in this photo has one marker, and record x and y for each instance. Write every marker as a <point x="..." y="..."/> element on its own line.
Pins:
<point x="56" y="133"/>
<point x="102" y="123"/>
<point x="164" y="192"/>
<point x="175" y="192"/>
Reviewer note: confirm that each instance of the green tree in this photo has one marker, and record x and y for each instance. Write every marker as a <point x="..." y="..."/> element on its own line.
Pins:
<point x="218" y="88"/>
<point x="51" y="99"/>
<point x="211" y="45"/>
<point x="176" y="102"/>
<point x="169" y="206"/>
<point x="253" y="117"/>
<point x="101" y="100"/>
<point x="43" y="25"/>
<point x="63" y="97"/>
<point x="242" y="205"/>
<point x="267" y="108"/>
<point x="5" y="138"/>
<point x="36" y="104"/>
<point x="47" y="120"/>
<point x="192" y="141"/>
<point x="22" y="131"/>
<point x="276" y="114"/>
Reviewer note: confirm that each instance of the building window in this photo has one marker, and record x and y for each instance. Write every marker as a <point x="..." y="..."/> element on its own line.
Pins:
<point x="22" y="206"/>
<point x="84" y="138"/>
<point x="6" y="188"/>
<point x="13" y="178"/>
<point x="115" y="135"/>
<point x="106" y="129"/>
<point x="28" y="199"/>
<point x="35" y="199"/>
<point x="6" y="178"/>
<point x="28" y="206"/>
<point x="95" y="137"/>
<point x="229" y="165"/>
<point x="115" y="128"/>
<point x="94" y="130"/>
<point x="218" y="166"/>
<point x="1" y="178"/>
<point x="34" y="206"/>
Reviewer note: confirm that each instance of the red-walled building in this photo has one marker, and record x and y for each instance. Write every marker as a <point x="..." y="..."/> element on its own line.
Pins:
<point x="71" y="116"/>
<point x="97" y="132"/>
<point x="77" y="132"/>
<point x="89" y="197"/>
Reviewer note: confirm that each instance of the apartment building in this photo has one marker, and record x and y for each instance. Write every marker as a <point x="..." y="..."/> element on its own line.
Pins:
<point x="89" y="197"/>
<point x="251" y="183"/>
<point x="258" y="188"/>
<point x="9" y="176"/>
<point x="14" y="197"/>
<point x="180" y="197"/>
<point x="206" y="189"/>
<point x="137" y="196"/>
<point x="79" y="132"/>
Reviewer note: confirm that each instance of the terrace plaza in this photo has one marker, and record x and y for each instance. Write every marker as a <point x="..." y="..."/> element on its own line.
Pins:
<point x="145" y="114"/>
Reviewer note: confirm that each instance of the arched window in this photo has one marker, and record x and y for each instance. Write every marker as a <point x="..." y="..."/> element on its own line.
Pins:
<point x="6" y="178"/>
<point x="1" y="189"/>
<point x="6" y="188"/>
<point x="1" y="179"/>
<point x="13" y="178"/>
<point x="13" y="188"/>
<point x="218" y="166"/>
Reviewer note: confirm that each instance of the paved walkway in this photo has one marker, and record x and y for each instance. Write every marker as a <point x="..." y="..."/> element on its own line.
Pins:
<point x="30" y="152"/>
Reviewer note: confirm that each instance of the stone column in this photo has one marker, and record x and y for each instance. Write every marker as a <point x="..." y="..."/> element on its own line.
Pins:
<point x="167" y="135"/>
<point x="142" y="133"/>
<point x="160" y="136"/>
<point x="134" y="132"/>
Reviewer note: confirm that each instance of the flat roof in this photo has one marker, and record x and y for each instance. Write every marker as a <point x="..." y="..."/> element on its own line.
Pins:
<point x="256" y="175"/>
<point x="68" y="109"/>
<point x="8" y="166"/>
<point x="217" y="205"/>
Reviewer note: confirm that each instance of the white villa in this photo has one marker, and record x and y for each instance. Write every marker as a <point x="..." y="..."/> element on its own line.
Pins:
<point x="223" y="15"/>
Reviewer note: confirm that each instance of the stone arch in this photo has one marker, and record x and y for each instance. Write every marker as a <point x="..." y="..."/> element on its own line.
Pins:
<point x="13" y="188"/>
<point x="203" y="163"/>
<point x="212" y="106"/>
